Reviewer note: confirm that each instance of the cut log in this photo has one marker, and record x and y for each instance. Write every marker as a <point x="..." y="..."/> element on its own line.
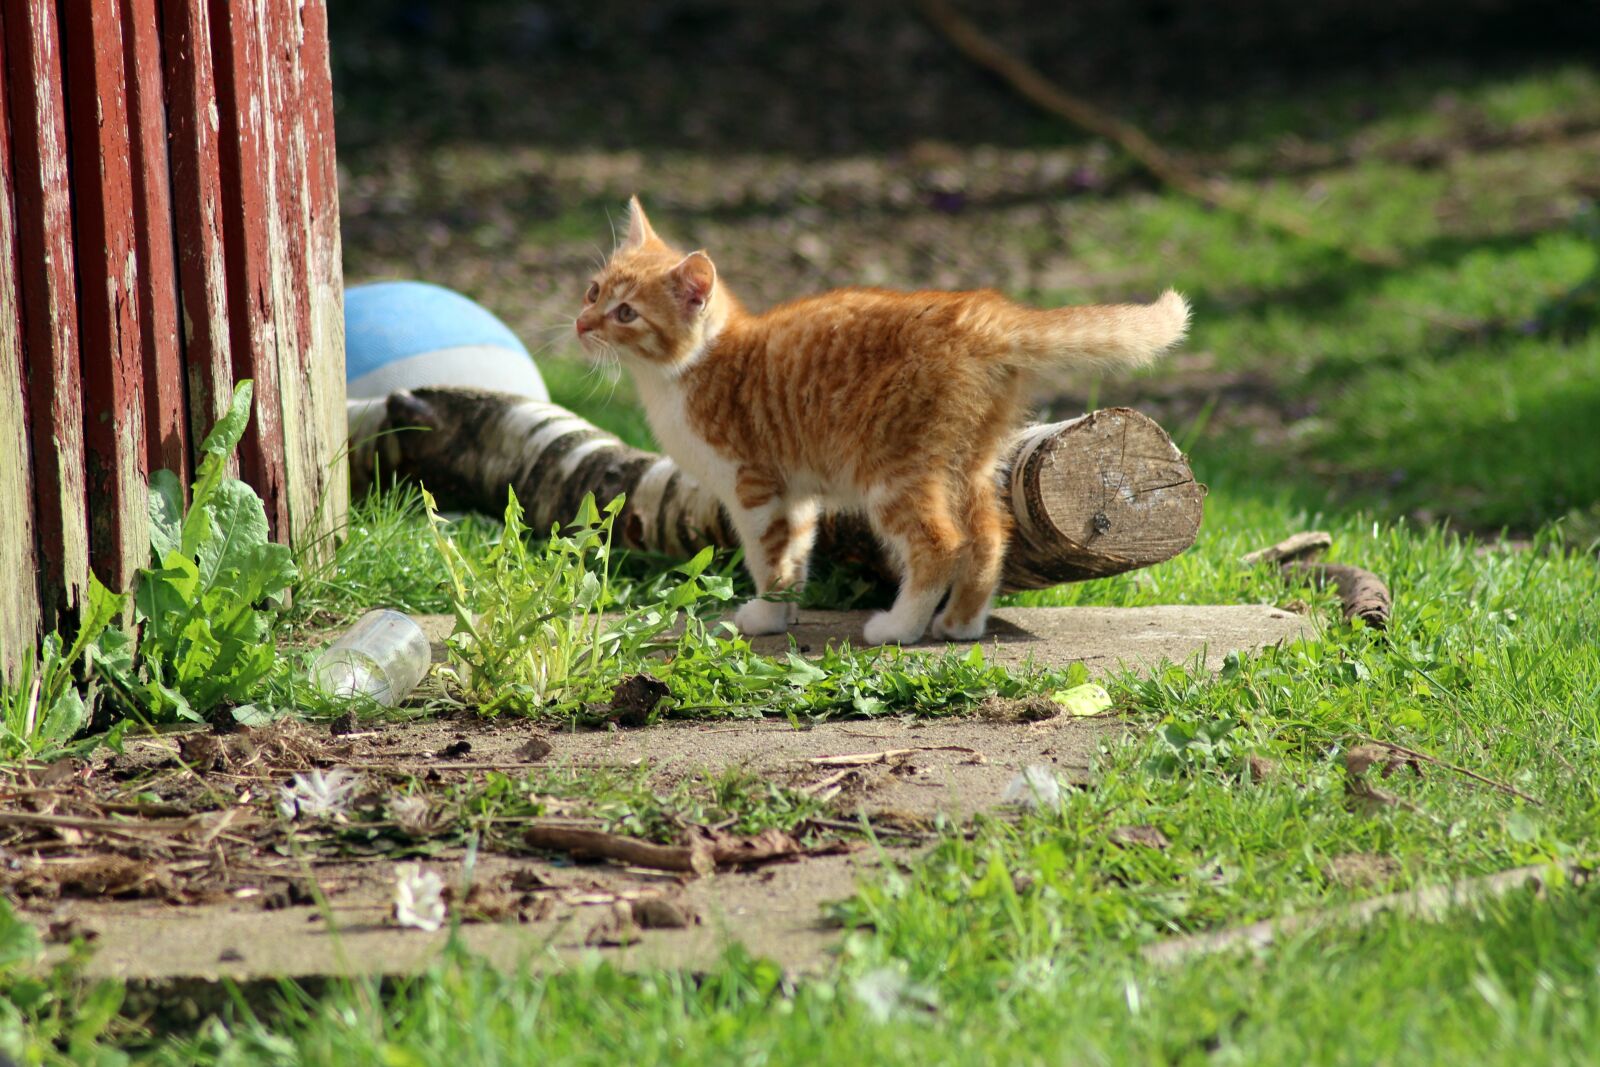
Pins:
<point x="1094" y="496"/>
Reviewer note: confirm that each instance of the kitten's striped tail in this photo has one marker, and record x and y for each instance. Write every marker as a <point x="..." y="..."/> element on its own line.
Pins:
<point x="1105" y="336"/>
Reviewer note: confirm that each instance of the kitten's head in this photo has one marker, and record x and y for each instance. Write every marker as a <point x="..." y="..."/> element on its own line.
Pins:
<point x="649" y="303"/>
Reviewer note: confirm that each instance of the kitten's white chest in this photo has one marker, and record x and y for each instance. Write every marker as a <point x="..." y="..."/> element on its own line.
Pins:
<point x="669" y="420"/>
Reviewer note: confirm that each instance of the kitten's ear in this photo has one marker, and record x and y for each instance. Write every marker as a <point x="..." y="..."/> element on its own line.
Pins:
<point x="692" y="282"/>
<point x="639" y="230"/>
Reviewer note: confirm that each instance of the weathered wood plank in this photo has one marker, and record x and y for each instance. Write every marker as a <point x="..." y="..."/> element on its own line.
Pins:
<point x="166" y="417"/>
<point x="325" y="273"/>
<point x="108" y="301"/>
<point x="48" y="297"/>
<point x="281" y="35"/>
<point x="239" y="46"/>
<point x="19" y="592"/>
<point x="197" y="210"/>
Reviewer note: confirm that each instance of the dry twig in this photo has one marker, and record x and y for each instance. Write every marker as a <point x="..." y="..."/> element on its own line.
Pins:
<point x="1474" y="775"/>
<point x="1165" y="166"/>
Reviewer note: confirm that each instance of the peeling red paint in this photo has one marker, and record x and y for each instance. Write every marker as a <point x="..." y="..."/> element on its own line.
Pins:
<point x="197" y="209"/>
<point x="48" y="300"/>
<point x="19" y="593"/>
<point x="167" y="226"/>
<point x="238" y="30"/>
<point x="108" y="303"/>
<point x="166" y="415"/>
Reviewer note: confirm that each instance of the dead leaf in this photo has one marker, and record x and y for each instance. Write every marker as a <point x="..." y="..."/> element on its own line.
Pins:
<point x="1360" y="870"/>
<point x="287" y="893"/>
<point x="660" y="913"/>
<point x="615" y="928"/>
<point x="66" y="931"/>
<point x="1361" y="758"/>
<point x="534" y="749"/>
<point x="485" y="902"/>
<point x="634" y="699"/>
<point x="203" y="752"/>
<point x="1262" y="768"/>
<point x="731" y="850"/>
<point x="1083" y="701"/>
<point x="57" y="774"/>
<point x="1364" y="798"/>
<point x="1146" y="836"/>
<point x="528" y="880"/>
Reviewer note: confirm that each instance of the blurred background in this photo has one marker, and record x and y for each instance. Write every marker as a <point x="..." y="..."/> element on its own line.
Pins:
<point x="1420" y="342"/>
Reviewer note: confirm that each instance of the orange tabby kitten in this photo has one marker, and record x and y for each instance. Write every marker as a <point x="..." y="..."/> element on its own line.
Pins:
<point x="895" y="404"/>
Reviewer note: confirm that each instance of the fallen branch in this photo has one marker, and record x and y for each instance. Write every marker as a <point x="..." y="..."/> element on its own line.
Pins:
<point x="1098" y="495"/>
<point x="1362" y="594"/>
<point x="1305" y="545"/>
<point x="701" y="855"/>
<point x="99" y="826"/>
<point x="1430" y="904"/>
<point x="866" y="759"/>
<point x="693" y="858"/>
<point x="1163" y="165"/>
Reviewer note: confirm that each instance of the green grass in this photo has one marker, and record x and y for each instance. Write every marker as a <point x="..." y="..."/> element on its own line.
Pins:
<point x="1457" y="391"/>
<point x="1513" y="982"/>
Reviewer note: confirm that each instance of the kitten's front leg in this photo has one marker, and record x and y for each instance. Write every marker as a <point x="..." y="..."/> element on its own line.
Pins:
<point x="777" y="539"/>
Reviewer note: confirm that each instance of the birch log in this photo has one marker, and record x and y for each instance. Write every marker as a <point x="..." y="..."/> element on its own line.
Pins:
<point x="1094" y="496"/>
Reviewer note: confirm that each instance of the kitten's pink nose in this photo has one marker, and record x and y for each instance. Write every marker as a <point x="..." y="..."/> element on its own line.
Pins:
<point x="584" y="327"/>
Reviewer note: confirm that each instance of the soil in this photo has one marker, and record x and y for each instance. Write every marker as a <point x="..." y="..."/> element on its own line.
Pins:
<point x="172" y="857"/>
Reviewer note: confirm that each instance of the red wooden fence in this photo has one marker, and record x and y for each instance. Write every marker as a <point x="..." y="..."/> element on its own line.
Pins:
<point x="168" y="225"/>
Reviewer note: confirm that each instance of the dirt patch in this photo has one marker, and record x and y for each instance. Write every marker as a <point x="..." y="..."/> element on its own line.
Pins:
<point x="278" y="850"/>
<point x="236" y="892"/>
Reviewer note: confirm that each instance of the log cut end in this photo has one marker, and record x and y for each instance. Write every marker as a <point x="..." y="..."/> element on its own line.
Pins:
<point x="1106" y="493"/>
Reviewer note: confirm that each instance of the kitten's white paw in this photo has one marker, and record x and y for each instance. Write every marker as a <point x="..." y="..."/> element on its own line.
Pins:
<point x="885" y="629"/>
<point x="944" y="630"/>
<point x="759" y="617"/>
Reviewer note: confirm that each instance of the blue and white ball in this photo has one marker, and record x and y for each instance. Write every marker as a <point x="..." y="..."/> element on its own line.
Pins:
<point x="407" y="335"/>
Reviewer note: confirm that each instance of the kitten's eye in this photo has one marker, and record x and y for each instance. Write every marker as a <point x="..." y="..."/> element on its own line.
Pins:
<point x="593" y="294"/>
<point x="625" y="313"/>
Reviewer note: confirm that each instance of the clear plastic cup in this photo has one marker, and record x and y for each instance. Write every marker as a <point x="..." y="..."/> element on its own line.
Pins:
<point x="382" y="658"/>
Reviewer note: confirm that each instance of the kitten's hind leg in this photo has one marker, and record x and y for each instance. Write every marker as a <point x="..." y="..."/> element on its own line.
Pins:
<point x="915" y="525"/>
<point x="966" y="613"/>
<point x="777" y="538"/>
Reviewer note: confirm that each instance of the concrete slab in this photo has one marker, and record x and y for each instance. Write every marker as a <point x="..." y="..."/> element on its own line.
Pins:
<point x="1104" y="639"/>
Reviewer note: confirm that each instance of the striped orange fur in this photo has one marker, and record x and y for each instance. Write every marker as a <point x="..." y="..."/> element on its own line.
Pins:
<point x="892" y="403"/>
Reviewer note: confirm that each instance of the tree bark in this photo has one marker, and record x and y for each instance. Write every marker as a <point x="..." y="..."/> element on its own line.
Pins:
<point x="1094" y="496"/>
